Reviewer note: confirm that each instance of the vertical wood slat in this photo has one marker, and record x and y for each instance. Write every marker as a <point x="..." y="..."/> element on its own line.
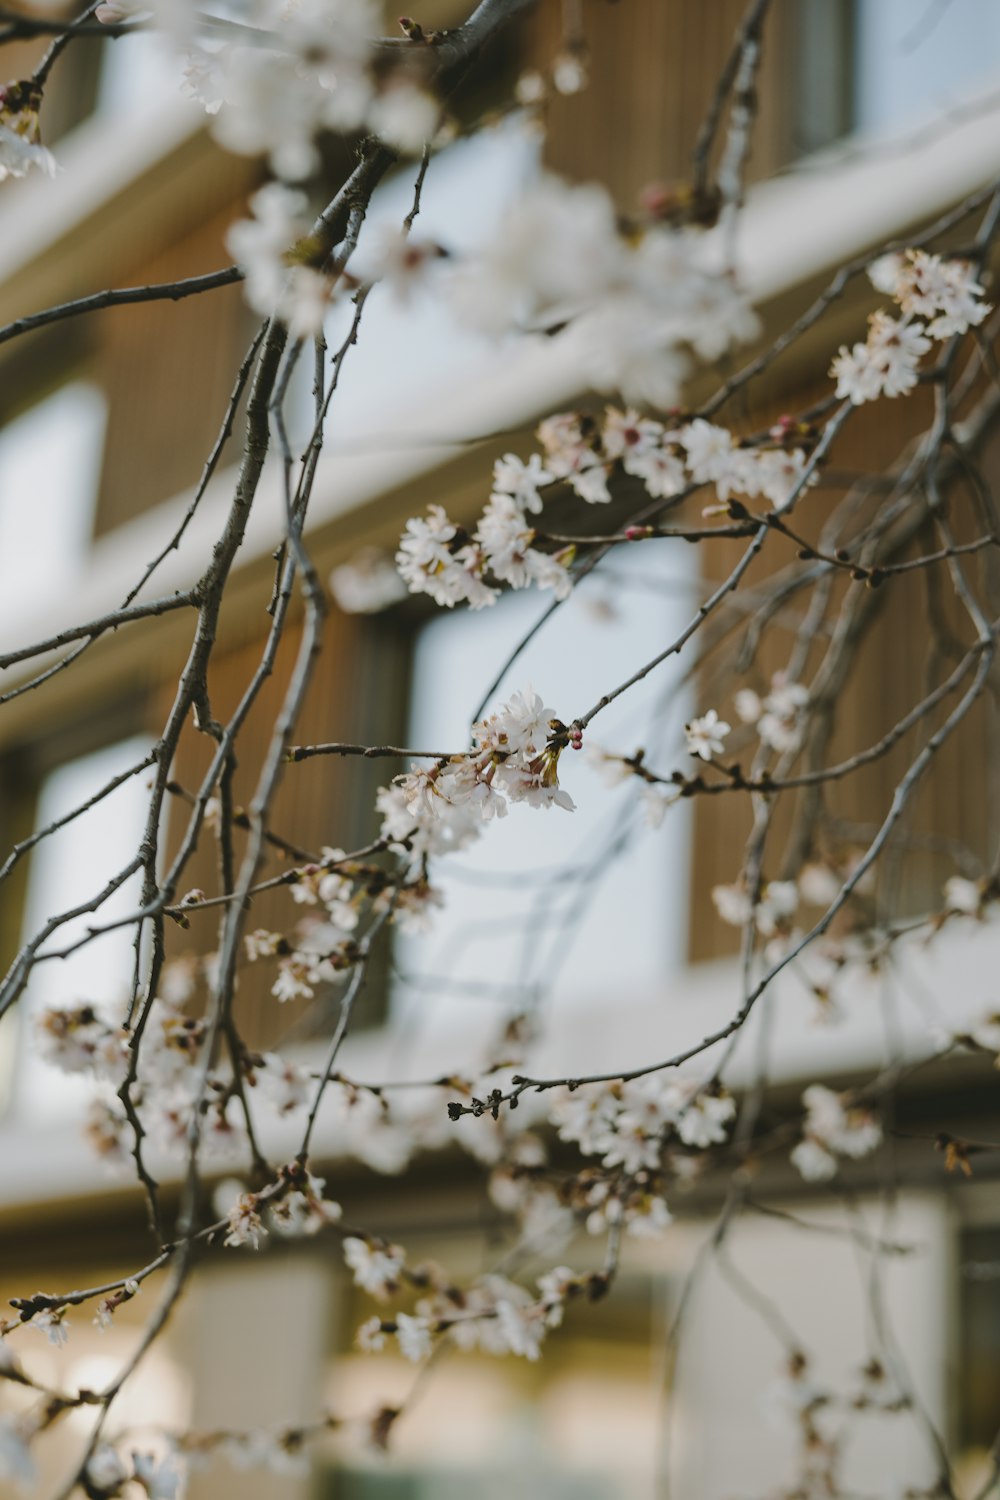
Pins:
<point x="167" y="369"/>
<point x="655" y="67"/>
<point x="321" y="801"/>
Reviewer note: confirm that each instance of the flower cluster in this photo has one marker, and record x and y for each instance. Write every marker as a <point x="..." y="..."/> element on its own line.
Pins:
<point x="322" y="948"/>
<point x="110" y="1473"/>
<point x="969" y="898"/>
<point x="377" y="1267"/>
<point x="833" y="1127"/>
<point x="945" y="294"/>
<point x="21" y="150"/>
<point x="771" y="915"/>
<point x="275" y="84"/>
<point x="276" y="284"/>
<point x="454" y="566"/>
<point x="628" y="1124"/>
<point x="302" y="1209"/>
<point x="80" y="1040"/>
<point x="515" y="758"/>
<point x="494" y="1315"/>
<point x="779" y="716"/>
<point x="640" y="303"/>
<point x="705" y="736"/>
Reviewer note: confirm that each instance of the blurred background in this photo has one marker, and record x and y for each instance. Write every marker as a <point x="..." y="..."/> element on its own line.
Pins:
<point x="875" y="116"/>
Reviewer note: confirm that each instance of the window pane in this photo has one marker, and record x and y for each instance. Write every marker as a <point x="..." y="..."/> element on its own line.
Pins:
<point x="918" y="59"/>
<point x="580" y="901"/>
<point x="50" y="461"/>
<point x="68" y="868"/>
<point x="138" y="74"/>
<point x="409" y="350"/>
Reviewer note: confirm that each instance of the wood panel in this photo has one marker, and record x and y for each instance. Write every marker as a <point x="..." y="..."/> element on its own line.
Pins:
<point x="952" y="823"/>
<point x="167" y="370"/>
<point x="357" y="694"/>
<point x="654" y="68"/>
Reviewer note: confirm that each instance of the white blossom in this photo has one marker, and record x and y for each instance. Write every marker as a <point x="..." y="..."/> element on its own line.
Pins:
<point x="780" y="722"/>
<point x="571" y="444"/>
<point x="78" y="1040"/>
<point x="367" y="584"/>
<point x="591" y="484"/>
<point x="522" y="1327"/>
<point x="370" y="1337"/>
<point x="414" y="1335"/>
<point x="704" y="1121"/>
<point x="263" y="944"/>
<point x="505" y="538"/>
<point x="886" y="364"/>
<point x="818" y="884"/>
<point x="19" y="155"/>
<point x="295" y="980"/>
<point x="245" y="1227"/>
<point x="402" y="261"/>
<point x="926" y="286"/>
<point x="636" y="305"/>
<point x="835" y="1128"/>
<point x="376" y="1267"/>
<point x="277" y="100"/>
<point x="962" y="896"/>
<point x="374" y="1136"/>
<point x="813" y="1160"/>
<point x="661" y="471"/>
<point x="521" y="481"/>
<point x="405" y="117"/>
<point x="559" y="249"/>
<point x="705" y="736"/>
<point x="287" y="1085"/>
<point x="709" y="451"/>
<point x="778" y="901"/>
<point x="779" y="473"/>
<point x="298" y="294"/>
<point x="586" y="1115"/>
<point x="627" y="436"/>
<point x="429" y="564"/>
<point x="304" y="1210"/>
<point x="733" y="904"/>
<point x="21" y="150"/>
<point x="748" y="705"/>
<point x="647" y="1217"/>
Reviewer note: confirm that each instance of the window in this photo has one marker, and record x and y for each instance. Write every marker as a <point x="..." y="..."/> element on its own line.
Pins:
<point x="138" y="74"/>
<point x="50" y="459"/>
<point x="68" y="868"/>
<point x="532" y="872"/>
<point x="923" y="59"/>
<point x="884" y="66"/>
<point x="416" y="351"/>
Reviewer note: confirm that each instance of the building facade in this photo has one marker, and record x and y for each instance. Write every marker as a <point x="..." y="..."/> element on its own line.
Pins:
<point x="107" y="420"/>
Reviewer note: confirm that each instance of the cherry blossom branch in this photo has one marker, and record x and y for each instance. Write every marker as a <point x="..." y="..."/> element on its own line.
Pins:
<point x="165" y="291"/>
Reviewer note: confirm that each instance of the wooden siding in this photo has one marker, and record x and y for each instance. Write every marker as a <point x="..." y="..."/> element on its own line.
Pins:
<point x="167" y="370"/>
<point x="655" y="65"/>
<point x="954" y="814"/>
<point x="358" y="693"/>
